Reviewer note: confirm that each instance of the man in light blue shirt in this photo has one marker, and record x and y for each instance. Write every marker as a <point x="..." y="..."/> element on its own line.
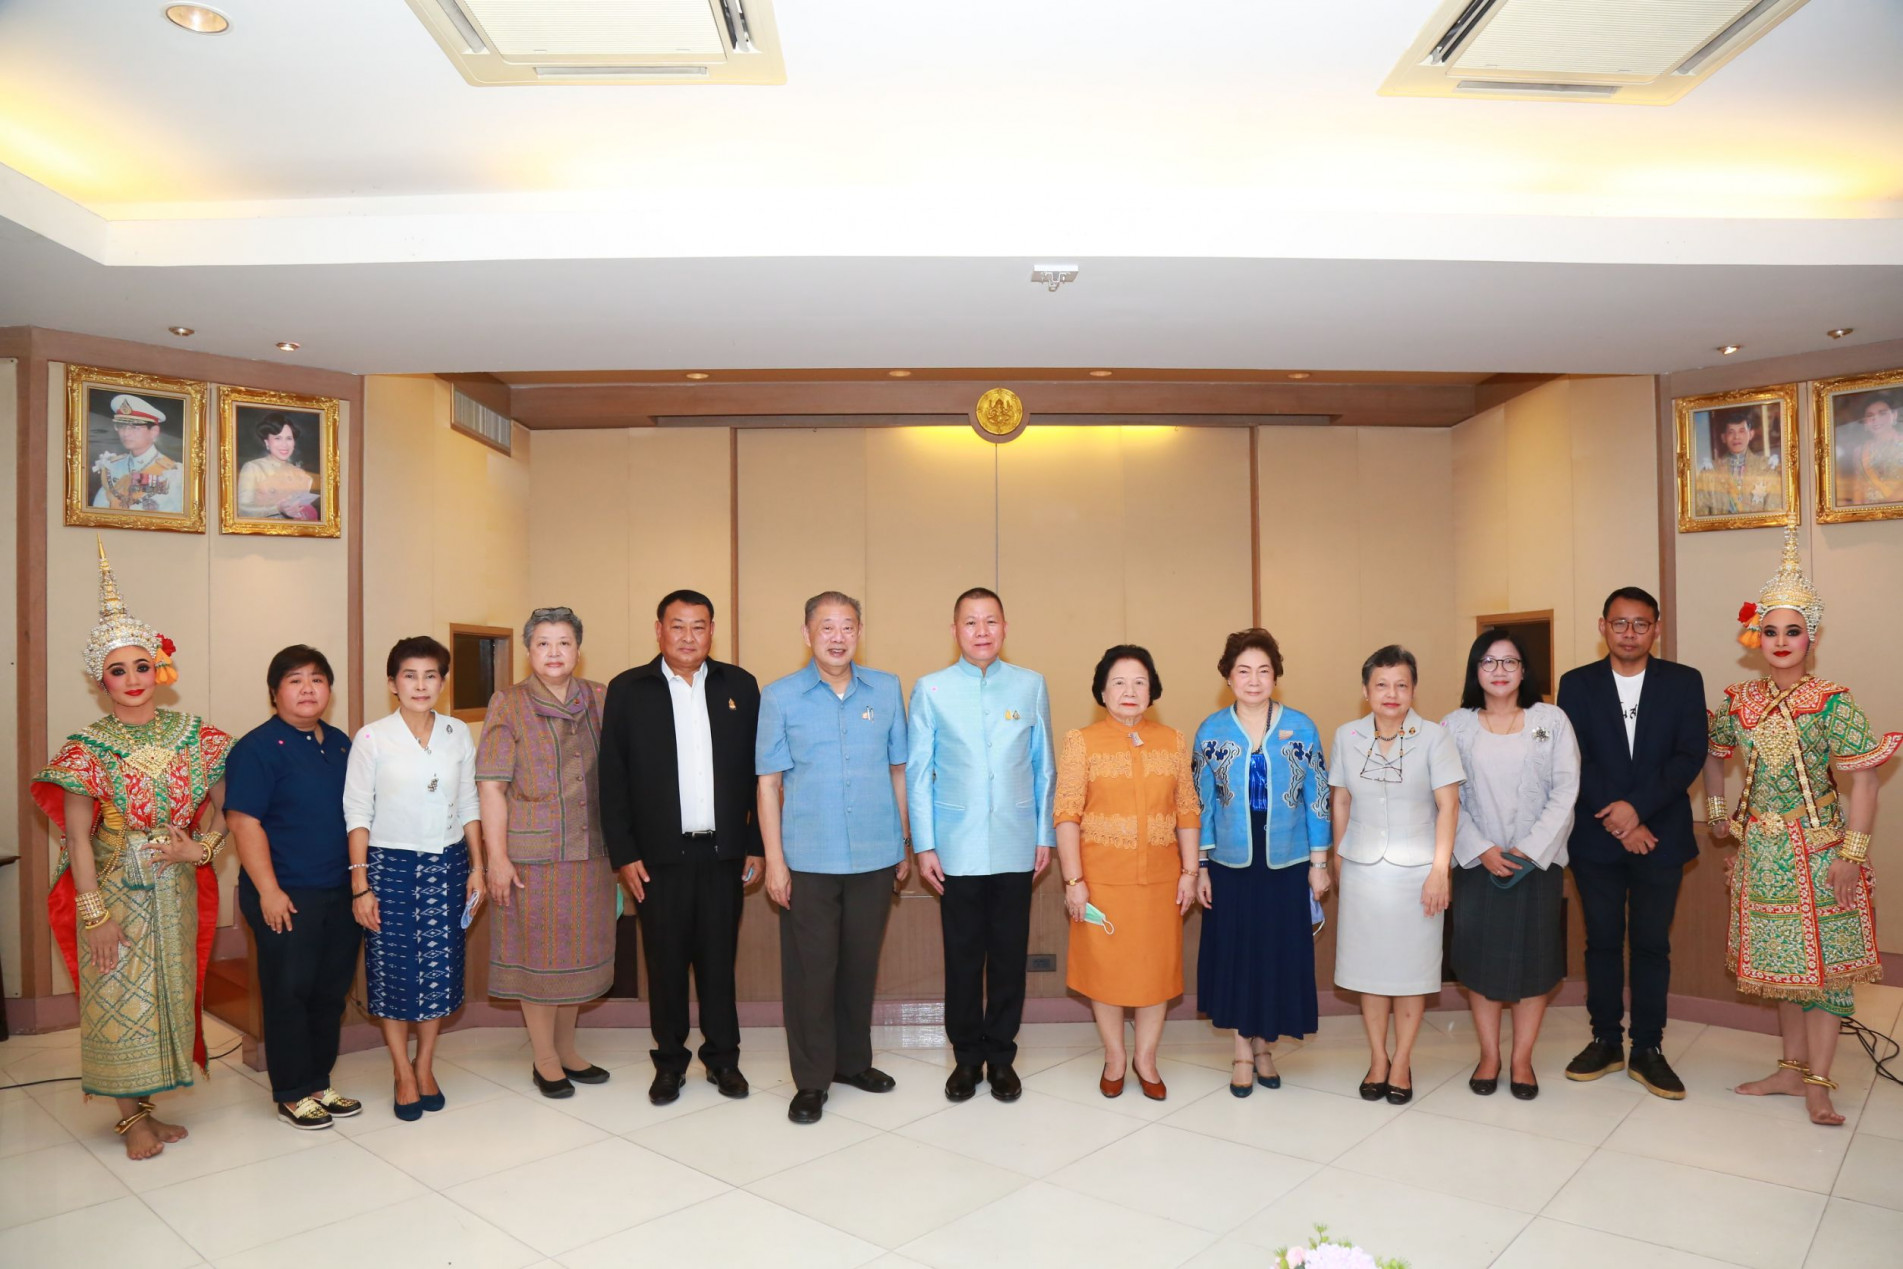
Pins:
<point x="830" y="755"/>
<point x="979" y="778"/>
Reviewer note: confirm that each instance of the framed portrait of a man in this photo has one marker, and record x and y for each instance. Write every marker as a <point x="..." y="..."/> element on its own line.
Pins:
<point x="135" y="451"/>
<point x="1736" y="463"/>
<point x="277" y="464"/>
<point x="1859" y="444"/>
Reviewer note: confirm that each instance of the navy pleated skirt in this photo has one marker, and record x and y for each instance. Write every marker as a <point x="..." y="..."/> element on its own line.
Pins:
<point x="1255" y="972"/>
<point x="413" y="968"/>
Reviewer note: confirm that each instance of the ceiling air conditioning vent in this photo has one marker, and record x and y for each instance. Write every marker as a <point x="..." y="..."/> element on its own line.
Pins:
<point x="607" y="41"/>
<point x="1633" y="52"/>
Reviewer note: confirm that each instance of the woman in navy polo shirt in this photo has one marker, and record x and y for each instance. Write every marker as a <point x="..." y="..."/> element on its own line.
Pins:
<point x="284" y="789"/>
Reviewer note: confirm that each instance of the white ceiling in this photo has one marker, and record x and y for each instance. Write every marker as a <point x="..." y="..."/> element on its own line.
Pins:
<point x="1224" y="171"/>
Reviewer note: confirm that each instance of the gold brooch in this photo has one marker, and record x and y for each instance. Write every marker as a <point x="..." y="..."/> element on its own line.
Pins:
<point x="730" y="704"/>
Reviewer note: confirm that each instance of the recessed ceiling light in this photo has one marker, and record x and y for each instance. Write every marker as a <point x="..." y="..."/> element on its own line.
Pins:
<point x="1725" y="350"/>
<point x="900" y="374"/>
<point x="180" y="331"/>
<point x="1840" y="332"/>
<point x="197" y="18"/>
<point x="287" y="345"/>
<point x="697" y="374"/>
<point x="1100" y="374"/>
<point x="1298" y="374"/>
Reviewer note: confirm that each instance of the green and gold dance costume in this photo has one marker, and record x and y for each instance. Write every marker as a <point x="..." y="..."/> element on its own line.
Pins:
<point x="139" y="1024"/>
<point x="1789" y="938"/>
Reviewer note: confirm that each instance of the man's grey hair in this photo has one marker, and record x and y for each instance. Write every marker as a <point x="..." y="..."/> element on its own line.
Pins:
<point x="551" y="616"/>
<point x="825" y="597"/>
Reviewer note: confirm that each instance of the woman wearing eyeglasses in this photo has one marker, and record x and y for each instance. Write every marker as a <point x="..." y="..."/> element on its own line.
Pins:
<point x="1516" y="810"/>
<point x="1395" y="808"/>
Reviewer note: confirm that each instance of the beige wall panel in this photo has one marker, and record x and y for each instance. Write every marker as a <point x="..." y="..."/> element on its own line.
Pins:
<point x="1406" y="565"/>
<point x="1615" y="531"/>
<point x="1536" y="548"/>
<point x="1482" y="517"/>
<point x="578" y="492"/>
<point x="9" y="674"/>
<point x="400" y="487"/>
<point x="680" y="531"/>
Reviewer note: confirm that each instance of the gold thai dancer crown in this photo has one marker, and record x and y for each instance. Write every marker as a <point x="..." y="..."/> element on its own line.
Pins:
<point x="118" y="628"/>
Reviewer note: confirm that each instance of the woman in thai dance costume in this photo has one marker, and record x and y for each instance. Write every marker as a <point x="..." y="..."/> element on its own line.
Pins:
<point x="1802" y="929"/>
<point x="135" y="904"/>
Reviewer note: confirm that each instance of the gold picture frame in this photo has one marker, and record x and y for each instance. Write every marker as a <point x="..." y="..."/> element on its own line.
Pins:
<point x="135" y="451"/>
<point x="277" y="464"/>
<point x="1857" y="421"/>
<point x="1737" y="459"/>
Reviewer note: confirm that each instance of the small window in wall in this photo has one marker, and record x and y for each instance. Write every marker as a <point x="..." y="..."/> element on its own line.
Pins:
<point x="1534" y="630"/>
<point x="482" y="659"/>
<point x="474" y="419"/>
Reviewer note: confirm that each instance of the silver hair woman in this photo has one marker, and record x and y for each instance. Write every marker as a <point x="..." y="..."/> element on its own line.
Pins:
<point x="554" y="892"/>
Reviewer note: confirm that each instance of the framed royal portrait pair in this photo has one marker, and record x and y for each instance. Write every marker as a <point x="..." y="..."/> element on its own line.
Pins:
<point x="1738" y="454"/>
<point x="135" y="456"/>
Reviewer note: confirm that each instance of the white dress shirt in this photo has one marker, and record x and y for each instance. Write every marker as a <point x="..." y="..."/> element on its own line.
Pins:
<point x="693" y="748"/>
<point x="1630" y="687"/>
<point x="409" y="797"/>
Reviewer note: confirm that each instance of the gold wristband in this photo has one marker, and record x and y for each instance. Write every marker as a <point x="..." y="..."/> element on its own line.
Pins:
<point x="1855" y="847"/>
<point x="1074" y="881"/>
<point x="92" y="910"/>
<point x="1716" y="810"/>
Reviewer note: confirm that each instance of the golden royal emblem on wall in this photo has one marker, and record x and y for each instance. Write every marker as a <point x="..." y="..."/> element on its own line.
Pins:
<point x="999" y="414"/>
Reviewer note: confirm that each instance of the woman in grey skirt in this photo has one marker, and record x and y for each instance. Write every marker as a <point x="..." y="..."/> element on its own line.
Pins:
<point x="1516" y="809"/>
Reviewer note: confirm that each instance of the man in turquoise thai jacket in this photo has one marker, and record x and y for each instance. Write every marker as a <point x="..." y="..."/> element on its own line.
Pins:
<point x="980" y="777"/>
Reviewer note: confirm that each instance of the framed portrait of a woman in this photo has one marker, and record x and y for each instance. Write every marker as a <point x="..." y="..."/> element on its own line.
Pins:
<point x="1859" y="423"/>
<point x="1737" y="459"/>
<point x="277" y="464"/>
<point x="135" y="451"/>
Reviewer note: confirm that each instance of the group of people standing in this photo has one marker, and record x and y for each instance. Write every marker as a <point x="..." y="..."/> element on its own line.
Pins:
<point x="683" y="781"/>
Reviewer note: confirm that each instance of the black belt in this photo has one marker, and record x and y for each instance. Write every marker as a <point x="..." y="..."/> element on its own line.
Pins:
<point x="707" y="836"/>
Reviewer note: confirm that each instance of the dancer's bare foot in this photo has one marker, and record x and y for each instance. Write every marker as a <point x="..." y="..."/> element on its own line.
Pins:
<point x="143" y="1141"/>
<point x="1785" y="1083"/>
<point x="1817" y="1102"/>
<point x="168" y="1133"/>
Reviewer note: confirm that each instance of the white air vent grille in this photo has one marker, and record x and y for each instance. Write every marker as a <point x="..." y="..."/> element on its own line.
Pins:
<point x="1649" y="52"/>
<point x="607" y="41"/>
<point x="478" y="420"/>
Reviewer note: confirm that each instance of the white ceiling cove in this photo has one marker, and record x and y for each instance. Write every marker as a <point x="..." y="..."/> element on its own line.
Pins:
<point x="1235" y="189"/>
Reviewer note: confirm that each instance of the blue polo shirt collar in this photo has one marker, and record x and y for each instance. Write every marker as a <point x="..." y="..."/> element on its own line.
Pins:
<point x="810" y="678"/>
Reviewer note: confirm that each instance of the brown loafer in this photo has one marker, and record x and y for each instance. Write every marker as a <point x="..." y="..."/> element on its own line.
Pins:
<point x="1110" y="1087"/>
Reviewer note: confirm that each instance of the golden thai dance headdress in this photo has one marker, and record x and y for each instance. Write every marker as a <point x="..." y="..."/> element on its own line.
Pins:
<point x="118" y="628"/>
<point x="1788" y="588"/>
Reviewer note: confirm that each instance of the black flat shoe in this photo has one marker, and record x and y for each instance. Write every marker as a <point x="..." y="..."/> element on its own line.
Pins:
<point x="1486" y="1087"/>
<point x="808" y="1104"/>
<point x="552" y="1088"/>
<point x="666" y="1087"/>
<point x="1373" y="1090"/>
<point x="962" y="1083"/>
<point x="729" y="1081"/>
<point x="870" y="1080"/>
<point x="1005" y="1084"/>
<point x="1525" y="1092"/>
<point x="1400" y="1096"/>
<point x="590" y="1074"/>
<point x="433" y="1101"/>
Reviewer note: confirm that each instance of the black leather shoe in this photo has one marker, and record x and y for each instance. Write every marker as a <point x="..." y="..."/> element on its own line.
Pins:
<point x="1527" y="1092"/>
<point x="666" y="1087"/>
<point x="729" y="1081"/>
<point x="807" y="1106"/>
<point x="870" y="1080"/>
<point x="963" y="1082"/>
<point x="1649" y="1067"/>
<point x="1373" y="1090"/>
<point x="552" y="1088"/>
<point x="1005" y="1084"/>
<point x="1401" y="1096"/>
<point x="590" y="1074"/>
<point x="1486" y="1088"/>
<point x="1601" y="1057"/>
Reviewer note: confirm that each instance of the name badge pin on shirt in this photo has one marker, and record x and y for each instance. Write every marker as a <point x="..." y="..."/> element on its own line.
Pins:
<point x="730" y="704"/>
<point x="1285" y="734"/>
<point x="432" y="785"/>
<point x="1010" y="716"/>
<point x="868" y="714"/>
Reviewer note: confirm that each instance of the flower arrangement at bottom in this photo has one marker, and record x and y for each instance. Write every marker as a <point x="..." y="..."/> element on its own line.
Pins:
<point x="1323" y="1252"/>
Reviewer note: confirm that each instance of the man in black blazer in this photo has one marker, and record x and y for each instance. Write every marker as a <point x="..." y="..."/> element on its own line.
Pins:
<point x="1642" y="734"/>
<point x="677" y="810"/>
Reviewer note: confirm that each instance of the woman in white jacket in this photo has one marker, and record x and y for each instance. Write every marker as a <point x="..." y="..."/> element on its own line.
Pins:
<point x="1516" y="809"/>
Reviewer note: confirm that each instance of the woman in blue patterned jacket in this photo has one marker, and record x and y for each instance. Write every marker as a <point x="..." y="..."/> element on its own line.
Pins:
<point x="1263" y="781"/>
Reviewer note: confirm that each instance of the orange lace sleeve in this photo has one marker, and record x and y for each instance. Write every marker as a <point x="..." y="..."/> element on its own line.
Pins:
<point x="1072" y="779"/>
<point x="1189" y="807"/>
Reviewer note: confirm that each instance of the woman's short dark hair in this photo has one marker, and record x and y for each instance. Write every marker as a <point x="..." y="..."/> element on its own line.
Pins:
<point x="1472" y="695"/>
<point x="417" y="648"/>
<point x="1387" y="658"/>
<point x="273" y="423"/>
<point x="1241" y="641"/>
<point x="1125" y="652"/>
<point x="298" y="656"/>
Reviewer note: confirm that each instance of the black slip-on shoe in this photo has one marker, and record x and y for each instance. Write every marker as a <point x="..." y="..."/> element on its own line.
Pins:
<point x="870" y="1080"/>
<point x="729" y="1081"/>
<point x="1005" y="1084"/>
<point x="962" y="1083"/>
<point x="666" y="1087"/>
<point x="808" y="1105"/>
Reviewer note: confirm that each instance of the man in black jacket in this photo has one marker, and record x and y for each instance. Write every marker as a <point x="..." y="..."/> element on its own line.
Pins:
<point x="677" y="810"/>
<point x="1642" y="734"/>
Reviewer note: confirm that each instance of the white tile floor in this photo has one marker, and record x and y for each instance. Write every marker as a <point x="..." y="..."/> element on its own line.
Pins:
<point x="1589" y="1174"/>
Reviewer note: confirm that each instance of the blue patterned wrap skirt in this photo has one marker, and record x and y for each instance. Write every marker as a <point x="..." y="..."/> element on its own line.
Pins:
<point x="413" y="968"/>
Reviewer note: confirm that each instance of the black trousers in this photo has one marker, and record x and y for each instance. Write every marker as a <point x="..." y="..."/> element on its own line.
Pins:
<point x="987" y="928"/>
<point x="829" y="963"/>
<point x="304" y="979"/>
<point x="1629" y="900"/>
<point x="691" y="920"/>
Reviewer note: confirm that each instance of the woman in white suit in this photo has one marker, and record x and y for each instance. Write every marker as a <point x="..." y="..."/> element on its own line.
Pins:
<point x="1516" y="810"/>
<point x="1396" y="804"/>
